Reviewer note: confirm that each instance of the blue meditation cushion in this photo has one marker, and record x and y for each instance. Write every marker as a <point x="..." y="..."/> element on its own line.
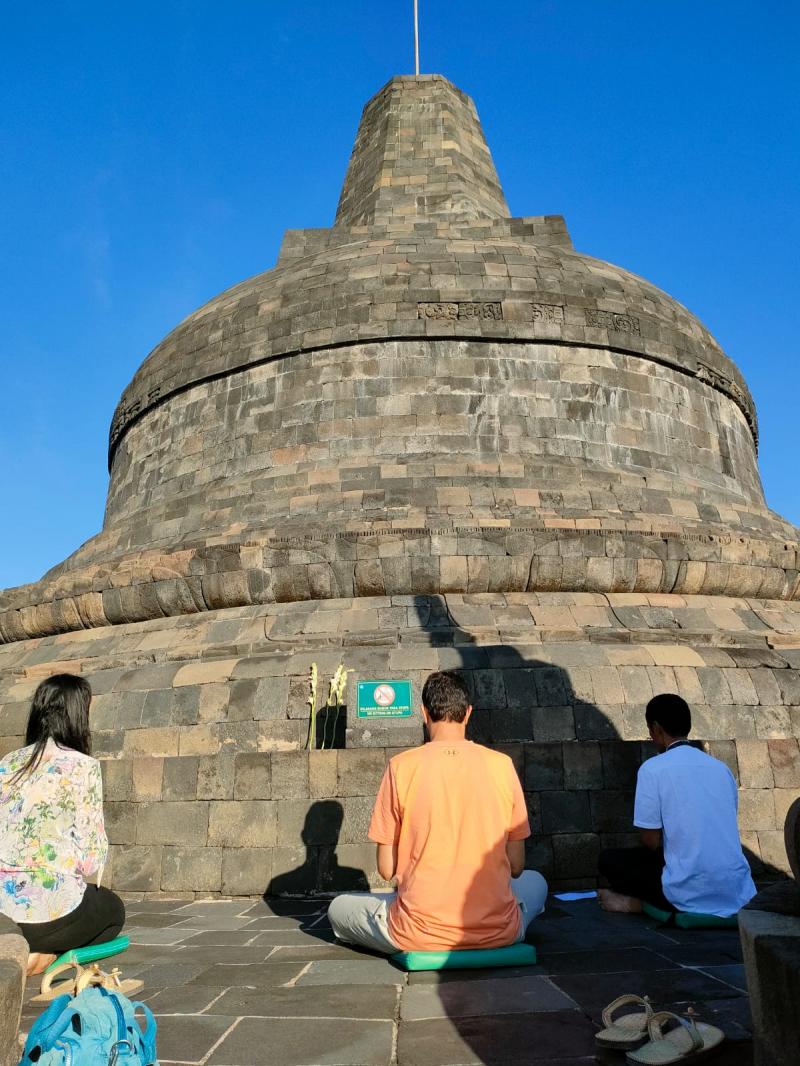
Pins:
<point x="685" y="920"/>
<point x="467" y="958"/>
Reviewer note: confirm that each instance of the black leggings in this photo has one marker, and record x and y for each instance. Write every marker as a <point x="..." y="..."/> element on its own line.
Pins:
<point x="636" y="872"/>
<point x="99" y="917"/>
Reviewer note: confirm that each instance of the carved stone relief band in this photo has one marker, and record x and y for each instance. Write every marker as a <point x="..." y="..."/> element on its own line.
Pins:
<point x="620" y="323"/>
<point x="548" y="313"/>
<point x="461" y="311"/>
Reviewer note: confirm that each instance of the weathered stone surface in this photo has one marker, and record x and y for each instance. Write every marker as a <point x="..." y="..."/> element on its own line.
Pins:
<point x="432" y="437"/>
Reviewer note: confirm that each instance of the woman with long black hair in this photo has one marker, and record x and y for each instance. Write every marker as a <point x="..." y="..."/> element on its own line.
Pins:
<point x="52" y="834"/>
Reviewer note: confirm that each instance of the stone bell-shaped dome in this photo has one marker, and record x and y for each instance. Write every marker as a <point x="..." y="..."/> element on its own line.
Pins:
<point x="429" y="396"/>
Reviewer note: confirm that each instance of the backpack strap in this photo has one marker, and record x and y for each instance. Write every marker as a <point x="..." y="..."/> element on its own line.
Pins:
<point x="49" y="1026"/>
<point x="149" y="1035"/>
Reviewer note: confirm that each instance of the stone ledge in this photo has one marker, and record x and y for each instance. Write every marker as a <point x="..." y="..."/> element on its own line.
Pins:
<point x="13" y="961"/>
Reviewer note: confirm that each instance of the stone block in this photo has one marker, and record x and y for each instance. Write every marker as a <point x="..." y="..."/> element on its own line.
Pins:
<point x="322" y="774"/>
<point x="603" y="723"/>
<point x="583" y="766"/>
<point x="544" y="767"/>
<point x="773" y="722"/>
<point x="350" y="866"/>
<point x="519" y="688"/>
<point x="302" y="822"/>
<point x="117" y="779"/>
<point x="205" y="672"/>
<point x="143" y="742"/>
<point x="357" y="816"/>
<point x="785" y="758"/>
<point x="136" y="868"/>
<point x="294" y="869"/>
<point x="551" y="686"/>
<point x="741" y="686"/>
<point x="253" y="778"/>
<point x="13" y="962"/>
<point x="183" y="823"/>
<point x="621" y="761"/>
<point x="147" y="777"/>
<point x="213" y="701"/>
<point x="180" y="778"/>
<point x="575" y="854"/>
<point x="246" y="871"/>
<point x="725" y="751"/>
<point x="289" y="770"/>
<point x="242" y="823"/>
<point x="186" y="869"/>
<point x="772" y="848"/>
<point x="539" y="855"/>
<point x="612" y="812"/>
<point x="120" y="821"/>
<point x="789" y="686"/>
<point x="566" y="812"/>
<point x="551" y="723"/>
<point x="198" y="740"/>
<point x="769" y="693"/>
<point x="359" y="772"/>
<point x="756" y="809"/>
<point x="215" y="775"/>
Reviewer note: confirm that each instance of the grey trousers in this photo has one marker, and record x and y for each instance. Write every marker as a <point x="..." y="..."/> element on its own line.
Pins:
<point x="362" y="918"/>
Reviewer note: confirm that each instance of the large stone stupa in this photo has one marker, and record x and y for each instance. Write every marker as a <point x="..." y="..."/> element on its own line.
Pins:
<point x="432" y="435"/>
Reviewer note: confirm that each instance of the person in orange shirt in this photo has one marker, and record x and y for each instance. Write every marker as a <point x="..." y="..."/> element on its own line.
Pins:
<point x="450" y="825"/>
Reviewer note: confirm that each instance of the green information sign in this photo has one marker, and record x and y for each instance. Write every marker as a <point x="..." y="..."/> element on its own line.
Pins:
<point x="384" y="699"/>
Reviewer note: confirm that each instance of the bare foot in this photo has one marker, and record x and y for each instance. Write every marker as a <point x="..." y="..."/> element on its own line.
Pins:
<point x="38" y="963"/>
<point x="617" y="903"/>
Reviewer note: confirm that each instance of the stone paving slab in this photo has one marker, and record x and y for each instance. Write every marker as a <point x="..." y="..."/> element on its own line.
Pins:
<point x="260" y="984"/>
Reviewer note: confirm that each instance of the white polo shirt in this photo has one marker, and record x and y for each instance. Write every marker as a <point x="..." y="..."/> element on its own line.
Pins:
<point x="692" y="798"/>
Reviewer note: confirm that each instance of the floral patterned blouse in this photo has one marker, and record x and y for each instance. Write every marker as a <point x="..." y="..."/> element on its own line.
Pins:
<point x="52" y="835"/>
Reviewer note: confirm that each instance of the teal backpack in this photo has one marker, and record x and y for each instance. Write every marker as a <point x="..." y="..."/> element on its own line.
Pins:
<point x="95" y="1028"/>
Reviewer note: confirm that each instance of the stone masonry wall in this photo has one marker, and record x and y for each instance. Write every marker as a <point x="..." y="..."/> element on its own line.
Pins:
<point x="339" y="433"/>
<point x="200" y="724"/>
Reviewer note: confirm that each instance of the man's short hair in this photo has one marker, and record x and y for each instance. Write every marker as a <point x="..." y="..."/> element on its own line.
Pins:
<point x="445" y="697"/>
<point x="671" y="712"/>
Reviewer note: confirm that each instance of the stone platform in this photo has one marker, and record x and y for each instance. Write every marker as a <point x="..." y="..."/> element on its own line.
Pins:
<point x="244" y="983"/>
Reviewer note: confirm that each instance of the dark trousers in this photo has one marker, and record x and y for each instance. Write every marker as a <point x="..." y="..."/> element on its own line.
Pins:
<point x="636" y="872"/>
<point x="98" y="918"/>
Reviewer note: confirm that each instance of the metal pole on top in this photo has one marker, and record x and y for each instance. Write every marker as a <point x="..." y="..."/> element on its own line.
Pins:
<point x="416" y="37"/>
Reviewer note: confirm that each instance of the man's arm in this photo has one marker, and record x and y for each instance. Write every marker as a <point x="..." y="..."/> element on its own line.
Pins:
<point x="651" y="838"/>
<point x="515" y="850"/>
<point x="387" y="860"/>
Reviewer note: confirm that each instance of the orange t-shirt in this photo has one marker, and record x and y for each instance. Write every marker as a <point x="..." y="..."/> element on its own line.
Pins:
<point x="450" y="808"/>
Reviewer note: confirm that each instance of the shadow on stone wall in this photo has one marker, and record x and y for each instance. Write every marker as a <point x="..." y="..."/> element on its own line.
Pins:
<point x="320" y="867"/>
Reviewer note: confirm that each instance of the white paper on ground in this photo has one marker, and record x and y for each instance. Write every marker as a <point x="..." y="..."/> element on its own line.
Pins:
<point x="575" y="895"/>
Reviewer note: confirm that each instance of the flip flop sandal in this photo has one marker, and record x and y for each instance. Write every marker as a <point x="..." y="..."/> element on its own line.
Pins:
<point x="628" y="1031"/>
<point x="94" y="977"/>
<point x="68" y="986"/>
<point x="689" y="1041"/>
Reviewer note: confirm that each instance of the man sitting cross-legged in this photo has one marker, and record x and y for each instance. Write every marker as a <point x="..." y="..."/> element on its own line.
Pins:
<point x="450" y="824"/>
<point x="685" y="810"/>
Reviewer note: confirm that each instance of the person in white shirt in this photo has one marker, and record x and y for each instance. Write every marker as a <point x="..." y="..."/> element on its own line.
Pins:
<point x="685" y="809"/>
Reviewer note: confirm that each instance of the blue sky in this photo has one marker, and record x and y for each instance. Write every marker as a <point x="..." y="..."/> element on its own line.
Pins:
<point x="152" y="154"/>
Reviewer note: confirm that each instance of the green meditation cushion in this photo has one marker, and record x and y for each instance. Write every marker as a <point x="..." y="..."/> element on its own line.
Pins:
<point x="94" y="952"/>
<point x="467" y="958"/>
<point x="685" y="920"/>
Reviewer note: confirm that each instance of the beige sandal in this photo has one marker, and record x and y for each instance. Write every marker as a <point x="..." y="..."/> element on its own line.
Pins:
<point x="48" y="992"/>
<point x="627" y="1032"/>
<point x="689" y="1041"/>
<point x="93" y="976"/>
